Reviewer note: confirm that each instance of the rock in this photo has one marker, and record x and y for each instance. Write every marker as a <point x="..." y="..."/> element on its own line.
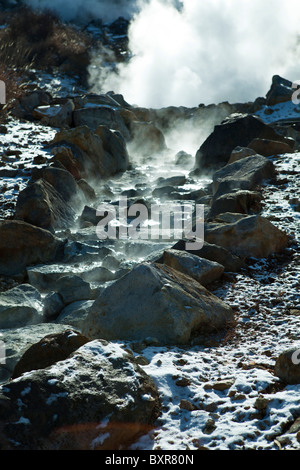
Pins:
<point x="101" y="115"/>
<point x="60" y="116"/>
<point x="75" y="314"/>
<point x="41" y="205"/>
<point x="281" y="91"/>
<point x="18" y="340"/>
<point x="267" y="148"/>
<point x="244" y="202"/>
<point x="215" y="253"/>
<point x="222" y="385"/>
<point x="247" y="236"/>
<point x="184" y="159"/>
<point x="146" y="139"/>
<point x="49" y="350"/>
<point x="61" y="180"/>
<point x="96" y="399"/>
<point x="287" y="366"/>
<point x="53" y="305"/>
<point x="72" y="288"/>
<point x="20" y="306"/>
<point x="201" y="269"/>
<point x="87" y="190"/>
<point x="23" y="245"/>
<point x="158" y="301"/>
<point x="238" y="130"/>
<point x="245" y="174"/>
<point x="34" y="99"/>
<point x="94" y="159"/>
<point x="240" y="152"/>
<point x="64" y="156"/>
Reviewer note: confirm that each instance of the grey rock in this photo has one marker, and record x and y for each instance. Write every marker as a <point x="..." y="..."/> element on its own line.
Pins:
<point x="75" y="314"/>
<point x="101" y="115"/>
<point x="287" y="366"/>
<point x="20" y="306"/>
<point x="72" y="288"/>
<point x="53" y="305"/>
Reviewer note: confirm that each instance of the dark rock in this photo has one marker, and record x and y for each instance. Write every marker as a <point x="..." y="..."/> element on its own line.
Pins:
<point x="287" y="366"/>
<point x="244" y="202"/>
<point x="281" y="91"/>
<point x="267" y="148"/>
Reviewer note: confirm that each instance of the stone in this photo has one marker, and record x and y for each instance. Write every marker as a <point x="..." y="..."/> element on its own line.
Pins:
<point x="201" y="269"/>
<point x="155" y="300"/>
<point x="146" y="139"/>
<point x="40" y="204"/>
<point x="49" y="350"/>
<point x="268" y="148"/>
<point x="75" y="314"/>
<point x="20" y="306"/>
<point x="18" y="340"/>
<point x="240" y="152"/>
<point x="280" y="92"/>
<point x="23" y="245"/>
<point x="96" y="399"/>
<point x="72" y="288"/>
<point x="222" y="385"/>
<point x="101" y="115"/>
<point x="64" y="156"/>
<point x="60" y="116"/>
<point x="53" y="305"/>
<point x="244" y="202"/>
<point x="238" y="130"/>
<point x="287" y="366"/>
<point x="247" y="236"/>
<point x="245" y="174"/>
<point x="61" y="180"/>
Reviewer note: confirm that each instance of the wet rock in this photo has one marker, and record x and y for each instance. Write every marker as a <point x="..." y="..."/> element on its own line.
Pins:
<point x="61" y="180"/>
<point x="244" y="202"/>
<point x="18" y="340"/>
<point x="243" y="174"/>
<point x="53" y="305"/>
<point x="247" y="236"/>
<point x="236" y="130"/>
<point x="287" y="366"/>
<point x="72" y="288"/>
<point x="146" y="139"/>
<point x="96" y="399"/>
<point x="267" y="148"/>
<point x="150" y="298"/>
<point x="184" y="159"/>
<point x="23" y="245"/>
<point x="75" y="314"/>
<point x="20" y="306"/>
<point x="201" y="269"/>
<point x="49" y="350"/>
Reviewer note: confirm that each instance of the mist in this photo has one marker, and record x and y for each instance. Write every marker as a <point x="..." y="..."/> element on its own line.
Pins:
<point x="206" y="51"/>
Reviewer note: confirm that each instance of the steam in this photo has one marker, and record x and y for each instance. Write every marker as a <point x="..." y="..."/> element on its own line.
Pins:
<point x="207" y="51"/>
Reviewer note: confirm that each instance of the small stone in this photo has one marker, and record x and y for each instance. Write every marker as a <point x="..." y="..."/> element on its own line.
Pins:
<point x="222" y="385"/>
<point x="186" y="405"/>
<point x="261" y="403"/>
<point x="210" y="426"/>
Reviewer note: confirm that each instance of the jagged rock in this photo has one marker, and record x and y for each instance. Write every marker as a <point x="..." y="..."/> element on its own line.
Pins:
<point x="60" y="116"/>
<point x="23" y="245"/>
<point x="236" y="130"/>
<point x="215" y="253"/>
<point x="267" y="147"/>
<point x="49" y="350"/>
<point x="246" y="236"/>
<point x="53" y="305"/>
<point x="64" y="156"/>
<point x="20" y="306"/>
<point x="201" y="269"/>
<point x="101" y="115"/>
<point x="281" y="91"/>
<point x="243" y="174"/>
<point x="244" y="202"/>
<point x="158" y="301"/>
<point x="287" y="366"/>
<point x="72" y="288"/>
<point x="75" y="314"/>
<point x="40" y="204"/>
<point x="61" y="180"/>
<point x="96" y="399"/>
<point x="18" y="340"/>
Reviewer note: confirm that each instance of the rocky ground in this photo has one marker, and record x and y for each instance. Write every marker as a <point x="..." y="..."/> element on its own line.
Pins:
<point x="145" y="344"/>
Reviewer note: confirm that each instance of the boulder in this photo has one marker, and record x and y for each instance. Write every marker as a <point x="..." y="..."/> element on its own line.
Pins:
<point x="20" y="306"/>
<point x="146" y="139"/>
<point x="75" y="314"/>
<point x="212" y="252"/>
<point x="287" y="366"/>
<point x="267" y="147"/>
<point x="200" y="269"/>
<point x="72" y="288"/>
<point x="244" y="202"/>
<point x="245" y="174"/>
<point x="18" y="340"/>
<point x="60" y="116"/>
<point x="236" y="130"/>
<point x="52" y="348"/>
<point x="53" y="305"/>
<point x="98" y="398"/>
<point x="23" y="245"/>
<point x="157" y="301"/>
<point x="281" y="91"/>
<point x="65" y="157"/>
<point x="246" y="236"/>
<point x="40" y="204"/>
<point x="240" y="152"/>
<point x="61" y="180"/>
<point x="94" y="116"/>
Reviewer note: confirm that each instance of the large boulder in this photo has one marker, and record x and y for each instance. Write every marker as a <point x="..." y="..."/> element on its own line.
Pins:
<point x="157" y="301"/>
<point x="60" y="116"/>
<point x="238" y="130"/>
<point x="75" y="314"/>
<point x="267" y="147"/>
<point x="244" y="202"/>
<point x="281" y="91"/>
<point x="61" y="180"/>
<point x="40" y="204"/>
<point x="94" y="116"/>
<point x="20" y="306"/>
<point x="246" y="236"/>
<point x="244" y="174"/>
<point x="95" y="160"/>
<point x="98" y="398"/>
<point x="147" y="139"/>
<point x="23" y="245"/>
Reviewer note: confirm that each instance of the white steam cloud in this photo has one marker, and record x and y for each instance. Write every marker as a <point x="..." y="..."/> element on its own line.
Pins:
<point x="207" y="51"/>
